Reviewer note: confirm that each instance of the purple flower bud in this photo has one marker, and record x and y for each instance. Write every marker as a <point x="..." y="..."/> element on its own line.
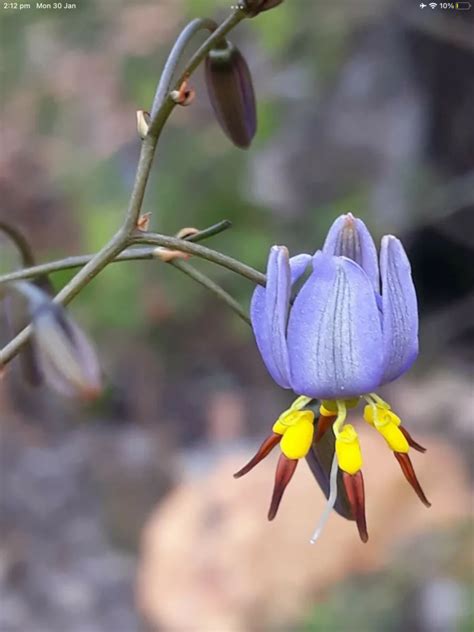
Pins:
<point x="66" y="358"/>
<point x="254" y="7"/>
<point x="231" y="93"/>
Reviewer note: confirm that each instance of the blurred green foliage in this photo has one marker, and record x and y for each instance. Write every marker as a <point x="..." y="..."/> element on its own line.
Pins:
<point x="198" y="177"/>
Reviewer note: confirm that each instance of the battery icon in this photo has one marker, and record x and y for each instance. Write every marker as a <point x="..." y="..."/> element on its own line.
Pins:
<point x="463" y="6"/>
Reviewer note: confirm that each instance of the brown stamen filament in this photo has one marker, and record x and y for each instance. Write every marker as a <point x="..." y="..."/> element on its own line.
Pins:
<point x="264" y="450"/>
<point x="354" y="486"/>
<point x="323" y="424"/>
<point x="409" y="473"/>
<point x="411" y="442"/>
<point x="285" y="469"/>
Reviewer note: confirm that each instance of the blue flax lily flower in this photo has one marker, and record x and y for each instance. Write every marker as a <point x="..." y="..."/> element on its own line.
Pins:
<point x="352" y="327"/>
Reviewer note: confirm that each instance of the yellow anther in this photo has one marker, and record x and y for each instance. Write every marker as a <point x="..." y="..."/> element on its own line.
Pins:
<point x="391" y="417"/>
<point x="393" y="436"/>
<point x="349" y="456"/>
<point x="290" y="418"/>
<point x="370" y="411"/>
<point x="297" y="440"/>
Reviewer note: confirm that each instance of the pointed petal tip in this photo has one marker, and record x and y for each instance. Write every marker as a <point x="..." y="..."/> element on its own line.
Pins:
<point x="349" y="219"/>
<point x="389" y="239"/>
<point x="349" y="237"/>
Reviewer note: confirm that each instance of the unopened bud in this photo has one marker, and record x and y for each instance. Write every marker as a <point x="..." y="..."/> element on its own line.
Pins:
<point x="231" y="93"/>
<point x="65" y="356"/>
<point x="254" y="7"/>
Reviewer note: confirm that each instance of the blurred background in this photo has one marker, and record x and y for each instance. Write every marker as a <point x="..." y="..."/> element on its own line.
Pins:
<point x="124" y="515"/>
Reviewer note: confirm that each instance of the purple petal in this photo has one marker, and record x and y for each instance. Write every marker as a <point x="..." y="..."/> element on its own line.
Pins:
<point x="334" y="332"/>
<point x="269" y="311"/>
<point x="269" y="314"/>
<point x="298" y="265"/>
<point x="349" y="237"/>
<point x="399" y="309"/>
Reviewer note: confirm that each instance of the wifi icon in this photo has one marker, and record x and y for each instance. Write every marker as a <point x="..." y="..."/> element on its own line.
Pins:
<point x="433" y="5"/>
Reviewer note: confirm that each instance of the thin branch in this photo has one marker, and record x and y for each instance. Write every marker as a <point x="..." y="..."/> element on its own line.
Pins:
<point x="211" y="231"/>
<point x="234" y="18"/>
<point x="120" y="240"/>
<point x="135" y="254"/>
<point x="132" y="254"/>
<point x="204" y="253"/>
<point x="163" y="104"/>
<point x="174" y="58"/>
<point x="20" y="241"/>
<point x="205" y="281"/>
<point x="70" y="263"/>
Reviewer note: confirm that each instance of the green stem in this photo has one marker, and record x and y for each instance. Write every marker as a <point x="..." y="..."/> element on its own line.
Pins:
<point x="132" y="254"/>
<point x="174" y="58"/>
<point x="163" y="104"/>
<point x="206" y="282"/>
<point x="204" y="253"/>
<point x="135" y="254"/>
<point x="162" y="108"/>
<point x="20" y="241"/>
<point x="70" y="263"/>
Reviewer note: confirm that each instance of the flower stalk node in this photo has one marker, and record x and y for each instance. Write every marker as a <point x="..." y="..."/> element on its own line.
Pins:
<point x="167" y="255"/>
<point x="143" y="123"/>
<point x="184" y="96"/>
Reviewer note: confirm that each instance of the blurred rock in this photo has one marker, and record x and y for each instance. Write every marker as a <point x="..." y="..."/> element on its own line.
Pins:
<point x="66" y="503"/>
<point x="210" y="547"/>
